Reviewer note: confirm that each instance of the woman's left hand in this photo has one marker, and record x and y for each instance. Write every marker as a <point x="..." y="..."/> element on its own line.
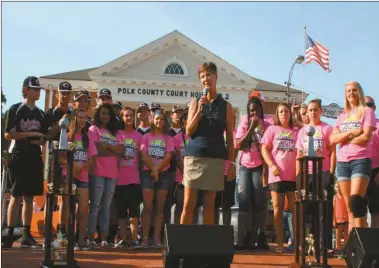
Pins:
<point x="231" y="172"/>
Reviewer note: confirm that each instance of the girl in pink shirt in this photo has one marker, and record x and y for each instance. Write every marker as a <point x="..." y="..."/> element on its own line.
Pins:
<point x="353" y="131"/>
<point x="156" y="150"/>
<point x="78" y="137"/>
<point x="279" y="153"/>
<point x="104" y="149"/>
<point x="322" y="148"/>
<point x="128" y="194"/>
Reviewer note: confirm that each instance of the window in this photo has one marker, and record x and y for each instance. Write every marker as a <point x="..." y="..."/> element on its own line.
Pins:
<point x="175" y="69"/>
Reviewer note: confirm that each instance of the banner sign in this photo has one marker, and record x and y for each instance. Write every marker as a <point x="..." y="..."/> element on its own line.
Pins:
<point x="332" y="110"/>
<point x="163" y="92"/>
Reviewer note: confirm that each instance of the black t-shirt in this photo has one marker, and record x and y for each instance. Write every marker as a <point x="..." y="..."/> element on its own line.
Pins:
<point x="22" y="118"/>
<point x="53" y="116"/>
<point x="140" y="130"/>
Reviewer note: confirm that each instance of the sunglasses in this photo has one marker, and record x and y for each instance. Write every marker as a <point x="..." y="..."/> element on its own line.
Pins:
<point x="370" y="104"/>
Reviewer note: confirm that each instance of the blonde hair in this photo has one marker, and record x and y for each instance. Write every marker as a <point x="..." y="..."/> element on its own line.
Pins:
<point x="361" y="99"/>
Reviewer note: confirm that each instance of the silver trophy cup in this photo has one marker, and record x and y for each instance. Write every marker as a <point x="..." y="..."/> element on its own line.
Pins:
<point x="310" y="131"/>
<point x="63" y="124"/>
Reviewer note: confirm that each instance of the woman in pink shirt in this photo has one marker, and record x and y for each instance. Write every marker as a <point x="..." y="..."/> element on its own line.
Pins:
<point x="322" y="148"/>
<point x="156" y="150"/>
<point x="128" y="194"/>
<point x="279" y="153"/>
<point x="78" y="138"/>
<point x="353" y="131"/>
<point x="104" y="149"/>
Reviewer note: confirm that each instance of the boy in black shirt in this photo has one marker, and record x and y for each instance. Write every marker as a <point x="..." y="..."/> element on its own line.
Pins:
<point x="53" y="116"/>
<point x="26" y="125"/>
<point x="143" y="114"/>
<point x="81" y="101"/>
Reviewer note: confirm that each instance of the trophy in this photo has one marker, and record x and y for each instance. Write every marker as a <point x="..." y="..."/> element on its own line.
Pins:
<point x="63" y="125"/>
<point x="303" y="193"/>
<point x="325" y="195"/>
<point x="311" y="249"/>
<point x="73" y="189"/>
<point x="310" y="131"/>
<point x="310" y="196"/>
<point x="297" y="195"/>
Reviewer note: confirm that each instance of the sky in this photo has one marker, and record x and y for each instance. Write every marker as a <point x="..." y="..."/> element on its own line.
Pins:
<point x="261" y="39"/>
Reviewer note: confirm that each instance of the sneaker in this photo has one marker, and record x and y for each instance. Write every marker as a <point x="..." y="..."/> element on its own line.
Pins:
<point x="158" y="243"/>
<point x="121" y="244"/>
<point x="29" y="242"/>
<point x="290" y="248"/>
<point x="92" y="245"/>
<point x="134" y="244"/>
<point x="145" y="243"/>
<point x="104" y="244"/>
<point x="76" y="247"/>
<point x="84" y="247"/>
<point x="279" y="249"/>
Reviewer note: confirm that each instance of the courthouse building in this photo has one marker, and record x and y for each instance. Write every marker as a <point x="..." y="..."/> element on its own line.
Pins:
<point x="165" y="71"/>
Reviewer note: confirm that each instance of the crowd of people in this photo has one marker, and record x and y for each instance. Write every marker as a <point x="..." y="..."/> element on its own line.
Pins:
<point x="191" y="162"/>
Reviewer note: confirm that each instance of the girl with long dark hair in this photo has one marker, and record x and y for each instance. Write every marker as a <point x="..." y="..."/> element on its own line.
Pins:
<point x="156" y="149"/>
<point x="105" y="150"/>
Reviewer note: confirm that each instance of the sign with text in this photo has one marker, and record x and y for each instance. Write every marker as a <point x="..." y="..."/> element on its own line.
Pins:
<point x="171" y="93"/>
<point x="332" y="110"/>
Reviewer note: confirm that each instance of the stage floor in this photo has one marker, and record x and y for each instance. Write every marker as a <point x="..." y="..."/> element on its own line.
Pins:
<point x="147" y="258"/>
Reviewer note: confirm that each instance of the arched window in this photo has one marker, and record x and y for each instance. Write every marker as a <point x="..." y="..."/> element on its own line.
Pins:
<point x="174" y="68"/>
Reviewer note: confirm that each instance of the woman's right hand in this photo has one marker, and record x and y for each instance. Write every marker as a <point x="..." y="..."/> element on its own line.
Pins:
<point x="154" y="174"/>
<point x="275" y="170"/>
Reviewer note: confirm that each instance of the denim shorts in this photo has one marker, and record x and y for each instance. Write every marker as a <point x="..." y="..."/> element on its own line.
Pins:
<point x="162" y="183"/>
<point x="81" y="184"/>
<point x="360" y="168"/>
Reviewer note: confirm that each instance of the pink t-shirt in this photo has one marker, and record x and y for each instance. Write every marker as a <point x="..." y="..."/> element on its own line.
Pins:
<point x="283" y="152"/>
<point x="250" y="157"/>
<point x="128" y="172"/>
<point x="375" y="146"/>
<point x="179" y="147"/>
<point x="156" y="147"/>
<point x="346" y="122"/>
<point x="80" y="157"/>
<point x="104" y="166"/>
<point x="320" y="141"/>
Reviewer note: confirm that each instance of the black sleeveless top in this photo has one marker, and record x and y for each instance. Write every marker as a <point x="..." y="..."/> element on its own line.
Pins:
<point x="208" y="139"/>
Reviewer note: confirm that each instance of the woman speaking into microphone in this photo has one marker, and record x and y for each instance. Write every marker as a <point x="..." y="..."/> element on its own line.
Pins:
<point x="203" y="170"/>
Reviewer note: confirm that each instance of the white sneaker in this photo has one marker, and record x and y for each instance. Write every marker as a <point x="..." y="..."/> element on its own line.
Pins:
<point x="104" y="244"/>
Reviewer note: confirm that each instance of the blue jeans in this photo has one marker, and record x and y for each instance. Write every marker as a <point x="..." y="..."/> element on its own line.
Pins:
<point x="250" y="193"/>
<point x="101" y="192"/>
<point x="288" y="222"/>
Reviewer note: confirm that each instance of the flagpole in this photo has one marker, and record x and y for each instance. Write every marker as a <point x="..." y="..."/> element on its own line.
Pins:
<point x="305" y="51"/>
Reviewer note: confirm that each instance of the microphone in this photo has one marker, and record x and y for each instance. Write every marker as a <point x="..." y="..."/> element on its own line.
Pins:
<point x="205" y="93"/>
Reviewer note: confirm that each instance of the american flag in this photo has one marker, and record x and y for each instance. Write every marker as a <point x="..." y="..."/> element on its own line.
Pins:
<point x="318" y="53"/>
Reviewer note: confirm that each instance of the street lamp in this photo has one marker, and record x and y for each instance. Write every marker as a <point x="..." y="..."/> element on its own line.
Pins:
<point x="299" y="60"/>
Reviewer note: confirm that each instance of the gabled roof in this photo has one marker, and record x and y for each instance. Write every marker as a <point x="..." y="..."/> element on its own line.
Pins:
<point x="74" y="75"/>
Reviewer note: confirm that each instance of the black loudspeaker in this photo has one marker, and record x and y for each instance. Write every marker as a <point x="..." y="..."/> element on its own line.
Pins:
<point x="362" y="248"/>
<point x="198" y="246"/>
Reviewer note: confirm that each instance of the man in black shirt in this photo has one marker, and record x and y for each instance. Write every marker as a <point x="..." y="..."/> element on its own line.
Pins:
<point x="143" y="114"/>
<point x="117" y="107"/>
<point x="53" y="116"/>
<point x="81" y="101"/>
<point x="26" y="125"/>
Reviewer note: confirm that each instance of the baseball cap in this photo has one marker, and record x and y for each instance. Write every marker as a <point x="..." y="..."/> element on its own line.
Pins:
<point x="81" y="93"/>
<point x="105" y="92"/>
<point x="32" y="82"/>
<point x="257" y="94"/>
<point x="118" y="104"/>
<point x="143" y="105"/>
<point x="177" y="108"/>
<point x="155" y="106"/>
<point x="64" y="87"/>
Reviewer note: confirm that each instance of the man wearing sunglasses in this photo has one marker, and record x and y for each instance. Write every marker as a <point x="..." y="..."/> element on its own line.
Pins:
<point x="373" y="187"/>
<point x="25" y="124"/>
